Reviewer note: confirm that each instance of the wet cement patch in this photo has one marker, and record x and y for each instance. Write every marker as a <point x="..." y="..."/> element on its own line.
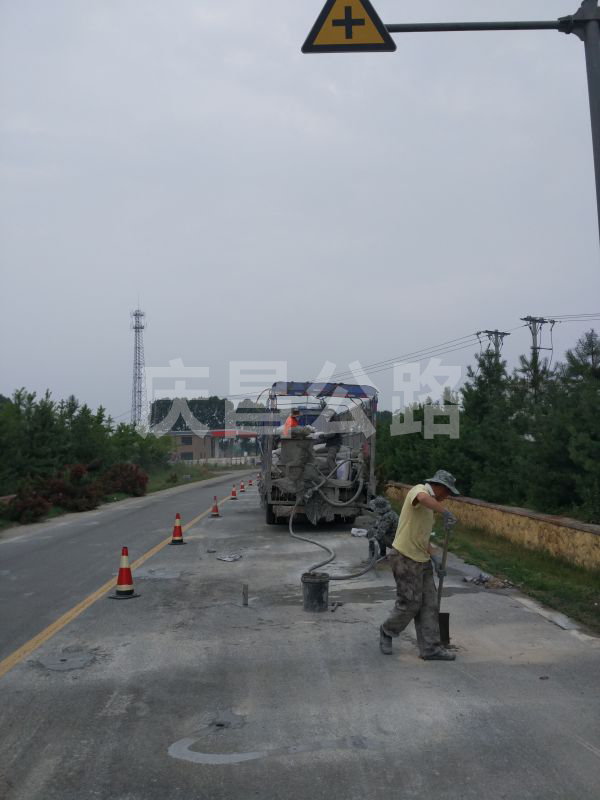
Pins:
<point x="65" y="661"/>
<point x="360" y="596"/>
<point x="160" y="573"/>
<point x="221" y="733"/>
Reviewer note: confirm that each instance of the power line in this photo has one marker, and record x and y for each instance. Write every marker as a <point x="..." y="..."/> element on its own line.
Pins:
<point x="423" y="352"/>
<point x="574" y="316"/>
<point x="417" y="354"/>
<point x="586" y="319"/>
<point x="444" y="348"/>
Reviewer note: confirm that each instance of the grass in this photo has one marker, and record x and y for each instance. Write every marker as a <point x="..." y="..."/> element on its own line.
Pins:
<point x="167" y="477"/>
<point x="567" y="588"/>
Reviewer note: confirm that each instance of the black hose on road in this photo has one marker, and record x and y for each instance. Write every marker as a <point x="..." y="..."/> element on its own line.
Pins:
<point x="375" y="560"/>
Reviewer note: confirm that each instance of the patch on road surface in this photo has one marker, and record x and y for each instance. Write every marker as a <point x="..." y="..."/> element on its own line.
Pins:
<point x="224" y="726"/>
<point x="66" y="660"/>
<point x="160" y="573"/>
<point x="119" y="703"/>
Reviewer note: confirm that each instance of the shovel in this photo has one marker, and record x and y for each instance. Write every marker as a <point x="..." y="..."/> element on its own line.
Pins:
<point x="443" y="616"/>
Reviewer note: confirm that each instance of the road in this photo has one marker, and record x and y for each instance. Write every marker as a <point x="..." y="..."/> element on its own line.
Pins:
<point x="185" y="693"/>
<point x="45" y="569"/>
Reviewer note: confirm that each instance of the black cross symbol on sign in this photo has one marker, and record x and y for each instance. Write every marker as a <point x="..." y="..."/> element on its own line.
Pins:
<point x="348" y="22"/>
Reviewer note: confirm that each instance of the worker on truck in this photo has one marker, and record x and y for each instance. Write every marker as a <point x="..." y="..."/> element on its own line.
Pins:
<point x="411" y="560"/>
<point x="291" y="422"/>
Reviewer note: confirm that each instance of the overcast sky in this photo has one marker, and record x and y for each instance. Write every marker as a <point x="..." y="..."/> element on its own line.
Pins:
<point x="269" y="205"/>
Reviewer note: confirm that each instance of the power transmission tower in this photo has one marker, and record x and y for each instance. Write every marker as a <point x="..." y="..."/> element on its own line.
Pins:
<point x="496" y="338"/>
<point x="138" y="391"/>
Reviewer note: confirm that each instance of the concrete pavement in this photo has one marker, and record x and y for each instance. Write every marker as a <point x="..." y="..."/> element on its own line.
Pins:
<point x="185" y="693"/>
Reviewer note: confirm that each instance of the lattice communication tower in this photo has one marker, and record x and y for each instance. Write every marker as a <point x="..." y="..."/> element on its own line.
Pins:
<point x="138" y="390"/>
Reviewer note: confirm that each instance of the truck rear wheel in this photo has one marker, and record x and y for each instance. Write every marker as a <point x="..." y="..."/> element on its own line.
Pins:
<point x="270" y="517"/>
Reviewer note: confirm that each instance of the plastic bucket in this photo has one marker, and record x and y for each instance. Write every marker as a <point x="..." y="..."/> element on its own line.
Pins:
<point x="315" y="589"/>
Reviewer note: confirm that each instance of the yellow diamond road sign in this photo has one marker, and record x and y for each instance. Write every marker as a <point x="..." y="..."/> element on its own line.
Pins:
<point x="348" y="26"/>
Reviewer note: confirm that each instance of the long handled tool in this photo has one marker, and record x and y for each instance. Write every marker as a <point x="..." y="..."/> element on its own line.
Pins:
<point x="443" y="616"/>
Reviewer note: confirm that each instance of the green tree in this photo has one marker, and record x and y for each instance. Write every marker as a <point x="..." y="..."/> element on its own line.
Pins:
<point x="581" y="398"/>
<point x="489" y="441"/>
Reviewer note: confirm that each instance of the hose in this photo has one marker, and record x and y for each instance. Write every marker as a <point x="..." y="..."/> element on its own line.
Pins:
<point x="310" y="541"/>
<point x="309" y="494"/>
<point x="313" y="489"/>
<point x="374" y="561"/>
<point x="339" y="503"/>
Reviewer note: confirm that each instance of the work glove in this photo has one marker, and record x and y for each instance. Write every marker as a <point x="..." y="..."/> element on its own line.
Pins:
<point x="437" y="565"/>
<point x="449" y="520"/>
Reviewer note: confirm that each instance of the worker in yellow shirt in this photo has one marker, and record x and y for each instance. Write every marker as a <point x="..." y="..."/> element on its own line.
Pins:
<point x="411" y="561"/>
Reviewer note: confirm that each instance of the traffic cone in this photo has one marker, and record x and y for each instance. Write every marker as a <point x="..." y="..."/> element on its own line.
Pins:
<point x="249" y="481"/>
<point x="177" y="537"/>
<point x="124" y="589"/>
<point x="233" y="493"/>
<point x="242" y="487"/>
<point x="215" y="509"/>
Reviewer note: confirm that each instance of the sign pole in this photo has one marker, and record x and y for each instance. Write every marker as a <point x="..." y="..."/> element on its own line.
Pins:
<point x="592" y="58"/>
<point x="335" y="29"/>
<point x="585" y="24"/>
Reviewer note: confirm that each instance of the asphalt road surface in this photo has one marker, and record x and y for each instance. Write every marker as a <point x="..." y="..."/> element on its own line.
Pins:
<point x="45" y="569"/>
<point x="185" y="693"/>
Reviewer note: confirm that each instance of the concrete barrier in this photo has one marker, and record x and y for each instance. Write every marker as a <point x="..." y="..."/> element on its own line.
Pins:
<point x="562" y="537"/>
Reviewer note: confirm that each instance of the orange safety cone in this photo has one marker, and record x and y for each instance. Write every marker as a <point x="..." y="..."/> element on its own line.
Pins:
<point x="242" y="487"/>
<point x="124" y="589"/>
<point x="177" y="537"/>
<point x="215" y="509"/>
<point x="249" y="481"/>
<point x="233" y="493"/>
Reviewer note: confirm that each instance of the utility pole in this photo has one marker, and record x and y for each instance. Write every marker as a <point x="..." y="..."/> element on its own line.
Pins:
<point x="496" y="338"/>
<point x="138" y="389"/>
<point x="535" y="325"/>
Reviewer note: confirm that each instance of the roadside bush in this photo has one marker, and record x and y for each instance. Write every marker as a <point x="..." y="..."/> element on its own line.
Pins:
<point x="126" y="478"/>
<point x="73" y="490"/>
<point x="27" y="506"/>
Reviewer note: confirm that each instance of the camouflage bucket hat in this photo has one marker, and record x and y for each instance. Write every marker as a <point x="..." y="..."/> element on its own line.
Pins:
<point x="446" y="479"/>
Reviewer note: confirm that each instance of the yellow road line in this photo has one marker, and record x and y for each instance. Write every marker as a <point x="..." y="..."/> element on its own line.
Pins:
<point x="15" y="658"/>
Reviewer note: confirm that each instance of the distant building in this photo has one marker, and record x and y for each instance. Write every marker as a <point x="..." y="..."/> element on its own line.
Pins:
<point x="214" y="444"/>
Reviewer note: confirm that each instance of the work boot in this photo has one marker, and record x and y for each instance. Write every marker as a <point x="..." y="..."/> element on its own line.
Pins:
<point x="439" y="655"/>
<point x="385" y="642"/>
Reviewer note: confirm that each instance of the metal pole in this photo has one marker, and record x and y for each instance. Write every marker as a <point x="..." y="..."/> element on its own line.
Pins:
<point x="592" y="59"/>
<point x="585" y="24"/>
<point x="442" y="27"/>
